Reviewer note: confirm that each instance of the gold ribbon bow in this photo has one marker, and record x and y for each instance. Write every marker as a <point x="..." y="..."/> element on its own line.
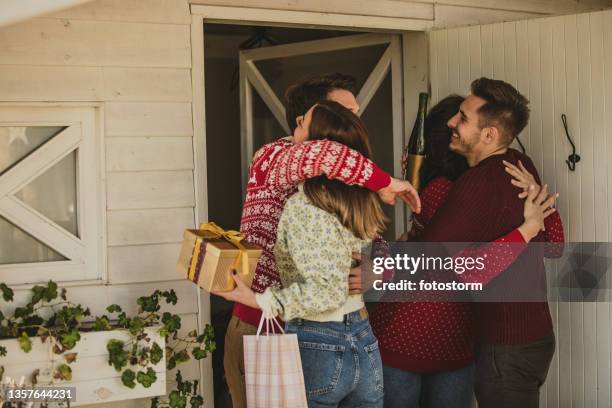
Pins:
<point x="241" y="263"/>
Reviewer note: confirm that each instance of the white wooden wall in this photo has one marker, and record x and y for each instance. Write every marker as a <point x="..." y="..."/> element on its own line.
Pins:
<point x="563" y="65"/>
<point x="442" y="13"/>
<point x="134" y="56"/>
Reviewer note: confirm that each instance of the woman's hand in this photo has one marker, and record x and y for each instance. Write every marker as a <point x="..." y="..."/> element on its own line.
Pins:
<point x="538" y="205"/>
<point x="241" y="294"/>
<point x="521" y="177"/>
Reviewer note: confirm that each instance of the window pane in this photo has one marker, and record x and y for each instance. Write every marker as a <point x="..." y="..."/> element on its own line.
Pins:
<point x="266" y="128"/>
<point x="16" y="142"/>
<point x="54" y="194"/>
<point x="17" y="246"/>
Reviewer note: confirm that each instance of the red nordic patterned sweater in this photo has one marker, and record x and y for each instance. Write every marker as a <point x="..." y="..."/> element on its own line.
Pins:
<point x="276" y="170"/>
<point x="430" y="337"/>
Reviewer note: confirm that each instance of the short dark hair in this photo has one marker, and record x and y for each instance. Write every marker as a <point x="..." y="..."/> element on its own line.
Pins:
<point x="302" y="96"/>
<point x="441" y="160"/>
<point x="505" y="107"/>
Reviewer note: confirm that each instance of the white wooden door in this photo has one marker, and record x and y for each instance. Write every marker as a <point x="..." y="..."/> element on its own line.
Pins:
<point x="374" y="59"/>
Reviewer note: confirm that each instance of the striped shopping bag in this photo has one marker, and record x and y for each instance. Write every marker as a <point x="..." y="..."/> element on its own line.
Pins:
<point x="273" y="368"/>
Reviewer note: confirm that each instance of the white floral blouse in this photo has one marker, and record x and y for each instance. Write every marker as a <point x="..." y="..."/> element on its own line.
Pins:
<point x="313" y="255"/>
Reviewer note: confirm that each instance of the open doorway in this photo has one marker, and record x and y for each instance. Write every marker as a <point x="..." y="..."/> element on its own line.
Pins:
<point x="272" y="59"/>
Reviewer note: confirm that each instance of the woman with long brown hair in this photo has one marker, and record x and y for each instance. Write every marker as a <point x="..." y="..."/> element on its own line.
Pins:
<point x="320" y="227"/>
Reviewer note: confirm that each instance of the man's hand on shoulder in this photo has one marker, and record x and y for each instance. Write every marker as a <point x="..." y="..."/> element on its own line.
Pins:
<point x="402" y="189"/>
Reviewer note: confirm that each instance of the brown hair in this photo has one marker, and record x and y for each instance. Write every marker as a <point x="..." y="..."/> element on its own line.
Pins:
<point x="301" y="96"/>
<point x="358" y="209"/>
<point x="505" y="107"/>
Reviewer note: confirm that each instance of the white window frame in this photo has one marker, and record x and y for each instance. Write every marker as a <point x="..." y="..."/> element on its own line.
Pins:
<point x="86" y="253"/>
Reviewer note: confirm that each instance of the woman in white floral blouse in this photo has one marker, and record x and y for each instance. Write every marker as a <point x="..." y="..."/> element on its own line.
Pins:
<point x="320" y="227"/>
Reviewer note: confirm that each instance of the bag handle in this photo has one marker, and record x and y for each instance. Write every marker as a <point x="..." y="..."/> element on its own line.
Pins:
<point x="270" y="322"/>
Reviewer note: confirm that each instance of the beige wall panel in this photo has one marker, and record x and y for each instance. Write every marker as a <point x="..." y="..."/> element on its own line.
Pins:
<point x="141" y="190"/>
<point x="450" y="16"/>
<point x="379" y="8"/>
<point x="149" y="153"/>
<point x="134" y="227"/>
<point x="533" y="6"/>
<point x="33" y="83"/>
<point x="45" y="41"/>
<point x="137" y="263"/>
<point x="148" y="119"/>
<point x="147" y="84"/>
<point x="156" y="11"/>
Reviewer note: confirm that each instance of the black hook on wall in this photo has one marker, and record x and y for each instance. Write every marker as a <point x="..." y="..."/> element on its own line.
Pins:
<point x="572" y="158"/>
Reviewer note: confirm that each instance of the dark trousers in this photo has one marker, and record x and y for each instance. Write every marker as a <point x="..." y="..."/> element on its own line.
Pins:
<point x="511" y="376"/>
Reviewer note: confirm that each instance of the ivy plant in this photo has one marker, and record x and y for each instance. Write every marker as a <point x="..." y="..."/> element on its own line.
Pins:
<point x="52" y="317"/>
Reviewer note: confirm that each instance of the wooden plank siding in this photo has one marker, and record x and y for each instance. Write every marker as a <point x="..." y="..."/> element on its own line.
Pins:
<point x="562" y="64"/>
<point x="133" y="58"/>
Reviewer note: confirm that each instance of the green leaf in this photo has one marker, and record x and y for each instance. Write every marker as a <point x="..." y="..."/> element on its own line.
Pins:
<point x="117" y="356"/>
<point x="170" y="297"/>
<point x="198" y="353"/>
<point x="184" y="387"/>
<point x="24" y="342"/>
<point x="181" y="357"/>
<point x="127" y="378"/>
<point x="50" y="292"/>
<point x="22" y="312"/>
<point x="171" y="322"/>
<point x="148" y="303"/>
<point x="102" y="324"/>
<point x="38" y="293"/>
<point x="70" y="339"/>
<point x="176" y="400"/>
<point x="171" y="363"/>
<point x="156" y="353"/>
<point x="2" y="351"/>
<point x="146" y="379"/>
<point x="64" y="372"/>
<point x="136" y="325"/>
<point x="154" y="402"/>
<point x="114" y="308"/>
<point x="124" y="321"/>
<point x="7" y="293"/>
<point x="196" y="401"/>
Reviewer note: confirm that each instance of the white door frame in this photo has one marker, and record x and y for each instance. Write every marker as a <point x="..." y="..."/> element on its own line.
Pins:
<point x="414" y="44"/>
<point x="251" y="78"/>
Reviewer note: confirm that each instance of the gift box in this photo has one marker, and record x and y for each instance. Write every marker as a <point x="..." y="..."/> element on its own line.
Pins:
<point x="209" y="255"/>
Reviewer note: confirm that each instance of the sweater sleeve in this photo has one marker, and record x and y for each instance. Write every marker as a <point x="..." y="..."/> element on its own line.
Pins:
<point x="301" y="161"/>
<point x="497" y="257"/>
<point x="322" y="263"/>
<point x="555" y="238"/>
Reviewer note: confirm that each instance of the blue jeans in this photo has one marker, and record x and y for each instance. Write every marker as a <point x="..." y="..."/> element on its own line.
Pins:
<point x="341" y="362"/>
<point x="447" y="389"/>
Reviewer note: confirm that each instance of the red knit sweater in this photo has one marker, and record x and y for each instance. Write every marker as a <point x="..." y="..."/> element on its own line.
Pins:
<point x="439" y="336"/>
<point x="276" y="170"/>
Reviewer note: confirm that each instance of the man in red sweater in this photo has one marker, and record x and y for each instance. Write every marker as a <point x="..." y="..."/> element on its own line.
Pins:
<point x="516" y="340"/>
<point x="276" y="170"/>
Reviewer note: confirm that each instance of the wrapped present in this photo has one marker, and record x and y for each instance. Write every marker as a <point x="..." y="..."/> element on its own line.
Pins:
<point x="209" y="255"/>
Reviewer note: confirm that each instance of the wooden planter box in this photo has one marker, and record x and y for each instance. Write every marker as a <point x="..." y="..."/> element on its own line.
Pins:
<point x="95" y="380"/>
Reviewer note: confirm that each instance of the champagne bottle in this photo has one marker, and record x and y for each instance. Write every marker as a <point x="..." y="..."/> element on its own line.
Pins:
<point x="415" y="151"/>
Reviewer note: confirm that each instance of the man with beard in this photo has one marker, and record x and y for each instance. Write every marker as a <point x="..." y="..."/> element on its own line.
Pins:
<point x="516" y="340"/>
